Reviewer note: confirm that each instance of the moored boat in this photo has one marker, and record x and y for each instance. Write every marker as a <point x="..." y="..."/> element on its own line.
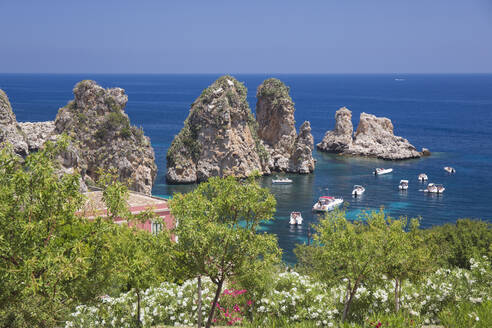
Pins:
<point x="281" y="181"/>
<point x="380" y="171"/>
<point x="327" y="203"/>
<point x="423" y="177"/>
<point x="295" y="218"/>
<point x="358" y="190"/>
<point x="449" y="169"/>
<point x="403" y="185"/>
<point x="435" y="188"/>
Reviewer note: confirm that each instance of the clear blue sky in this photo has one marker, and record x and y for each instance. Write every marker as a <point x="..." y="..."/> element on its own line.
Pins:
<point x="232" y="36"/>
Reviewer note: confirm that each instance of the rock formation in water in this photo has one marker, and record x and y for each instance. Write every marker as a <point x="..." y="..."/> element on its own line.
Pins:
<point x="10" y="131"/>
<point x="102" y="137"/>
<point x="339" y="139"/>
<point x="221" y="137"/>
<point x="373" y="138"/>
<point x="218" y="138"/>
<point x="276" y="128"/>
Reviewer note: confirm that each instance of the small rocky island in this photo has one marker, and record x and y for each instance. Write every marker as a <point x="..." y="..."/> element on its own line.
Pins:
<point x="373" y="138"/>
<point x="221" y="137"/>
<point x="101" y="136"/>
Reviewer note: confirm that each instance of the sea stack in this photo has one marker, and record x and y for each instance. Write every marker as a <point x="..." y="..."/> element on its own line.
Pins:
<point x="102" y="137"/>
<point x="340" y="138"/>
<point x="288" y="152"/>
<point x="221" y="137"/>
<point x="373" y="138"/>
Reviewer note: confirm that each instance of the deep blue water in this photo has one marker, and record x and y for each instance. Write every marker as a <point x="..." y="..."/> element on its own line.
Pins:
<point x="449" y="114"/>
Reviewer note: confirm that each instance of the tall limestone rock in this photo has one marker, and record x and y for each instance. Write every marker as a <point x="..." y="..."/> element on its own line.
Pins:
<point x="374" y="138"/>
<point x="218" y="138"/>
<point x="302" y="156"/>
<point x="102" y="137"/>
<point x="340" y="138"/>
<point x="276" y="128"/>
<point x="221" y="137"/>
<point x="10" y="131"/>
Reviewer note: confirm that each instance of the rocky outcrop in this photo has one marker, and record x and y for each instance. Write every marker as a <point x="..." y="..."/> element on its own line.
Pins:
<point x="302" y="155"/>
<point x="374" y="138"/>
<point x="10" y="130"/>
<point x="425" y="152"/>
<point x="37" y="133"/>
<point x="339" y="139"/>
<point x="102" y="137"/>
<point x="221" y="137"/>
<point x="100" y="133"/>
<point x="218" y="138"/>
<point x="276" y="128"/>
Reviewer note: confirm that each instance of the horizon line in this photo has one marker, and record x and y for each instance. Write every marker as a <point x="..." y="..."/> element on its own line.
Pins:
<point x="254" y="73"/>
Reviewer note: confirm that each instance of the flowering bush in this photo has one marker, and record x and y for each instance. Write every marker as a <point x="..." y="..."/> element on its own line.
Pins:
<point x="168" y="304"/>
<point x="295" y="298"/>
<point x="233" y="306"/>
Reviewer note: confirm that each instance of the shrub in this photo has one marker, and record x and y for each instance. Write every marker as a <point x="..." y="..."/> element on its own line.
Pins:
<point x="467" y="315"/>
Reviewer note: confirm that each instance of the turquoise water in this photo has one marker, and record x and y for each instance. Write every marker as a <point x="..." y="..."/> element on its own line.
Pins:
<point x="449" y="114"/>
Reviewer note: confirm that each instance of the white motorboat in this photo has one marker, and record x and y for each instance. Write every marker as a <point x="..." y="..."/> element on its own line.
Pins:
<point x="435" y="188"/>
<point x="449" y="169"/>
<point x="327" y="203"/>
<point x="423" y="177"/>
<point x="380" y="171"/>
<point x="281" y="181"/>
<point x="403" y="185"/>
<point x="295" y="218"/>
<point x="358" y="190"/>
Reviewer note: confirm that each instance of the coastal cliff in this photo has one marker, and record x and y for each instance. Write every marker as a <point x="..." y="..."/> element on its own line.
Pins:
<point x="221" y="137"/>
<point x="101" y="137"/>
<point x="374" y="137"/>
<point x="10" y="130"/>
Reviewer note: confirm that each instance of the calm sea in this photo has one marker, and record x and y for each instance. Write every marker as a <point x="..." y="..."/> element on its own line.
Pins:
<point x="449" y="114"/>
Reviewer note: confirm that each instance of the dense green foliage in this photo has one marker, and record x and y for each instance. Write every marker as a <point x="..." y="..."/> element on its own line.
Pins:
<point x="51" y="258"/>
<point x="467" y="314"/>
<point x="455" y="244"/>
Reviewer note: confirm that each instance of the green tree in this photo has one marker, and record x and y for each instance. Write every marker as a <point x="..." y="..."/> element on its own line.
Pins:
<point x="217" y="228"/>
<point x="346" y="251"/>
<point x="403" y="252"/>
<point x="50" y="258"/>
